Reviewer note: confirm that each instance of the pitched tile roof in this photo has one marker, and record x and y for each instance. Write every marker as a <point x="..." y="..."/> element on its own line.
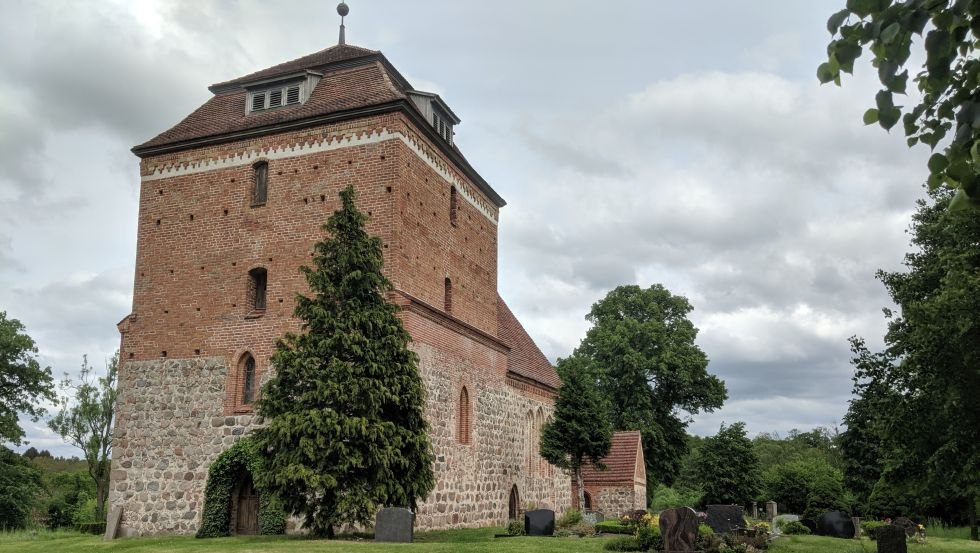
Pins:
<point x="316" y="60"/>
<point x="620" y="462"/>
<point x="348" y="88"/>
<point x="524" y="358"/>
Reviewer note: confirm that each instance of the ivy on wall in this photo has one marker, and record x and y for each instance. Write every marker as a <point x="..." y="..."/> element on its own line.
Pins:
<point x="223" y="475"/>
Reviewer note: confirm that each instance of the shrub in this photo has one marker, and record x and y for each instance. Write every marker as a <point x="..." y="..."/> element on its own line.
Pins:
<point x="649" y="537"/>
<point x="704" y="530"/>
<point x="515" y="528"/>
<point x="85" y="512"/>
<point x="624" y="543"/>
<point x="665" y="497"/>
<point x="870" y="528"/>
<point x="762" y="526"/>
<point x="794" y="528"/>
<point x="710" y="543"/>
<point x="580" y="529"/>
<point x="757" y="541"/>
<point x="571" y="517"/>
<point x="613" y="526"/>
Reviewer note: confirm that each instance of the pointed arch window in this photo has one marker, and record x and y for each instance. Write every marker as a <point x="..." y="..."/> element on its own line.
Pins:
<point x="260" y="180"/>
<point x="464" y="420"/>
<point x="248" y="379"/>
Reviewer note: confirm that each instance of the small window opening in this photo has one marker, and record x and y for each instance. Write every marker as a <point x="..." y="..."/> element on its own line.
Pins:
<point x="259" y="184"/>
<point x="248" y="380"/>
<point x="449" y="295"/>
<point x="452" y="205"/>
<point x="292" y="95"/>
<point x="275" y="98"/>
<point x="464" y="423"/>
<point x="258" y="101"/>
<point x="258" y="279"/>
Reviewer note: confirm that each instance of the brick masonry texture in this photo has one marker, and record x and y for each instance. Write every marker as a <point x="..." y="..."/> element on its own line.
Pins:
<point x="180" y="382"/>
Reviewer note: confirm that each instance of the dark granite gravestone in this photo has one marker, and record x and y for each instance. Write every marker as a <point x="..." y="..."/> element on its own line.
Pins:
<point x="394" y="524"/>
<point x="891" y="539"/>
<point x="910" y="527"/>
<point x="539" y="523"/>
<point x="679" y="528"/>
<point x="725" y="518"/>
<point x="836" y="524"/>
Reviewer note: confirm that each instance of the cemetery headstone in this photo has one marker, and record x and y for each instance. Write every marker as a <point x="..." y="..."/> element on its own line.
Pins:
<point x="891" y="539"/>
<point x="755" y="510"/>
<point x="780" y="520"/>
<point x="725" y="518"/>
<point x="856" y="521"/>
<point x="540" y="522"/>
<point x="910" y="527"/>
<point x="112" y="523"/>
<point x="394" y="524"/>
<point x="679" y="528"/>
<point x="593" y="517"/>
<point x="771" y="510"/>
<point x="835" y="524"/>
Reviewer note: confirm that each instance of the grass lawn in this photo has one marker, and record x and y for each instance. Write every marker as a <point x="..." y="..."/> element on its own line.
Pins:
<point x="816" y="544"/>
<point x="447" y="541"/>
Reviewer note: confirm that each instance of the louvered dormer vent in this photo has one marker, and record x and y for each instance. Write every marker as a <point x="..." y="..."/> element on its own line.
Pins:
<point x="292" y="90"/>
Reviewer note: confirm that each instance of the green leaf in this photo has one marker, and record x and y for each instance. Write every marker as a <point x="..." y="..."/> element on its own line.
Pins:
<point x="837" y="20"/>
<point x="845" y="52"/>
<point x="871" y="116"/>
<point x="888" y="35"/>
<point x="884" y="100"/>
<point x="888" y="117"/>
<point x="862" y="8"/>
<point x="934" y="181"/>
<point x="938" y="163"/>
<point x="962" y="201"/>
<point x="827" y="73"/>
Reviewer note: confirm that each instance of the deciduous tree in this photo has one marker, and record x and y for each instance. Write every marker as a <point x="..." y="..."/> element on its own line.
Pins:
<point x="24" y="383"/>
<point x="85" y="421"/>
<point x="345" y="429"/>
<point x="949" y="112"/>
<point x="650" y="370"/>
<point x="580" y="432"/>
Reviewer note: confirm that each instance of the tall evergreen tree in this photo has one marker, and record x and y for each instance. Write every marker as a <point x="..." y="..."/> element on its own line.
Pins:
<point x="651" y="369"/>
<point x="345" y="430"/>
<point x="580" y="432"/>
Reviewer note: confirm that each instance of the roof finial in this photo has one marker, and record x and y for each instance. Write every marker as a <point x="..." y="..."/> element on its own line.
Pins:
<point x="343" y="10"/>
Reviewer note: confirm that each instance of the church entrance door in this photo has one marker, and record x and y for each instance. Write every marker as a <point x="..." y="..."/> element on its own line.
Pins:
<point x="247" y="519"/>
<point x="514" y="505"/>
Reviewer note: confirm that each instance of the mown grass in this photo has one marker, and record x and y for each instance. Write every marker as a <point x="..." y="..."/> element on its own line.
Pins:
<point x="817" y="544"/>
<point x="464" y="541"/>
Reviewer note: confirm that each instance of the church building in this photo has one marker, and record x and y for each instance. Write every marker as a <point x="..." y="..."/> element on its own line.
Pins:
<point x="232" y="200"/>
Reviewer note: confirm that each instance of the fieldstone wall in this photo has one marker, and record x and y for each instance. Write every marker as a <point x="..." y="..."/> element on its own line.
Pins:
<point x="618" y="501"/>
<point x="170" y="426"/>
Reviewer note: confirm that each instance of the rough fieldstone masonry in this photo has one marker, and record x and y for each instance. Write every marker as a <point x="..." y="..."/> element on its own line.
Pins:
<point x="196" y="346"/>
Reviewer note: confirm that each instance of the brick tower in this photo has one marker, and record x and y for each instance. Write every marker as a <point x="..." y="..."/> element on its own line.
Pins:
<point x="232" y="200"/>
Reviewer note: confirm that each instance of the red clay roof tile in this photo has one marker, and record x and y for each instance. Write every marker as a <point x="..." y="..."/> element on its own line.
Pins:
<point x="524" y="358"/>
<point x="620" y="462"/>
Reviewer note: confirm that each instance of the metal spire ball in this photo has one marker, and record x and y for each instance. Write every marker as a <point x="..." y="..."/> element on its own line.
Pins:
<point x="343" y="10"/>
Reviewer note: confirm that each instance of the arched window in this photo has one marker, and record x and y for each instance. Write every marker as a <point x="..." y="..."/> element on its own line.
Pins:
<point x="514" y="503"/>
<point x="549" y="469"/>
<point x="538" y="424"/>
<point x="449" y="295"/>
<point x="257" y="282"/>
<point x="531" y="439"/>
<point x="588" y="501"/>
<point x="452" y="205"/>
<point x="464" y="423"/>
<point x="248" y="379"/>
<point x="260" y="179"/>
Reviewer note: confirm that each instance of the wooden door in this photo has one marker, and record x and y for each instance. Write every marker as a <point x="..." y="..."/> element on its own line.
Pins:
<point x="248" y="510"/>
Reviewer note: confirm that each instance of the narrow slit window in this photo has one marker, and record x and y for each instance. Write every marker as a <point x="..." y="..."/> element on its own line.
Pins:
<point x="463" y="420"/>
<point x="448" y="300"/>
<point x="258" y="280"/>
<point x="453" y="205"/>
<point x="260" y="179"/>
<point x="248" y="380"/>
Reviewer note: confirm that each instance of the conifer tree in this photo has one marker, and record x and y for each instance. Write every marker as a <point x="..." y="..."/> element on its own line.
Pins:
<point x="581" y="431"/>
<point x="345" y="429"/>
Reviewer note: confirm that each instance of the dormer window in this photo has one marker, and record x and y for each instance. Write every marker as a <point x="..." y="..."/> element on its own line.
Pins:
<point x="274" y="97"/>
<point x="436" y="112"/>
<point x="285" y="90"/>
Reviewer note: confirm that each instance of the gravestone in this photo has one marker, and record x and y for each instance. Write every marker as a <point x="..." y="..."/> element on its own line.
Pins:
<point x="891" y="539"/>
<point x="836" y="524"/>
<point x="755" y="510"/>
<point x="725" y="518"/>
<point x="540" y="522"/>
<point x="112" y="523"/>
<point x="906" y="524"/>
<point x="771" y="510"/>
<point x="394" y="524"/>
<point x="679" y="528"/>
<point x="593" y="517"/>
<point x="857" y="527"/>
<point x="780" y="520"/>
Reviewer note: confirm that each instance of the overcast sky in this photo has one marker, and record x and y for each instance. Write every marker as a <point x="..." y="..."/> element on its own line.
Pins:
<point x="683" y="143"/>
